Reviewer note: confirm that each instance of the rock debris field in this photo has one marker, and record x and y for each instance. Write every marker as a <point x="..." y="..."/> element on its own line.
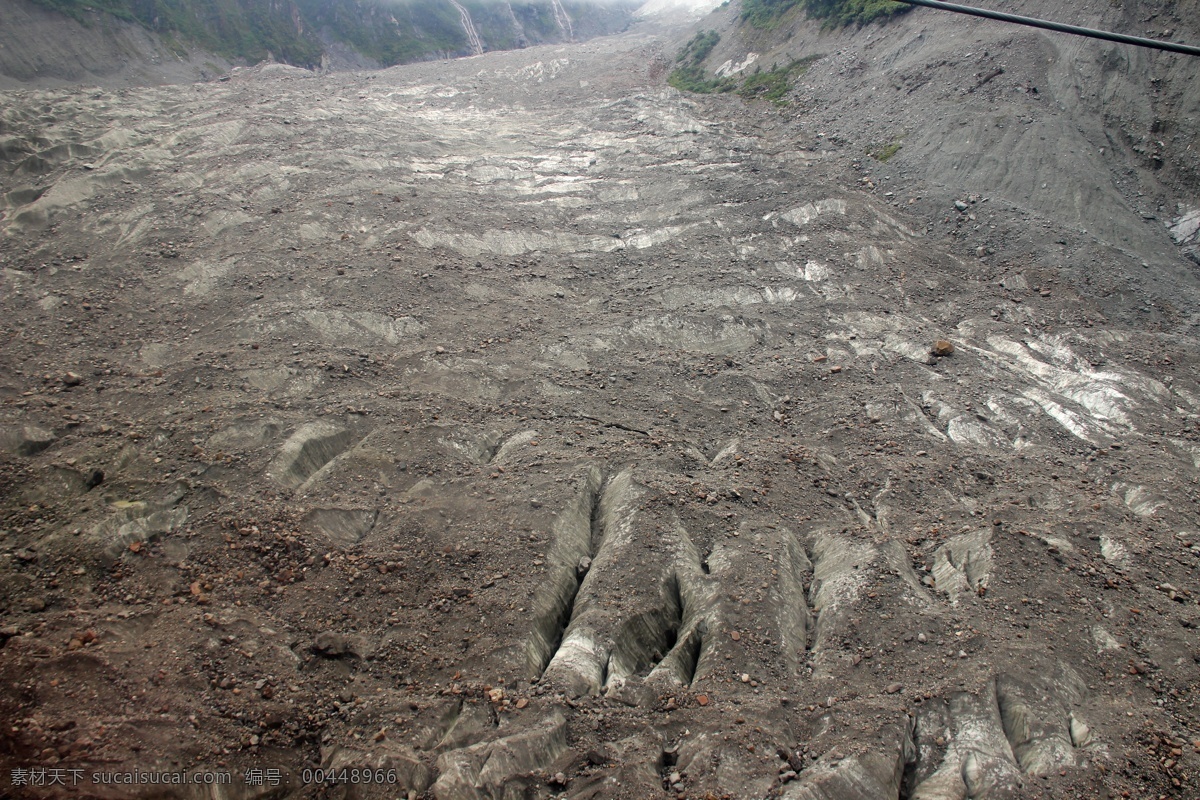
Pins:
<point x="522" y="428"/>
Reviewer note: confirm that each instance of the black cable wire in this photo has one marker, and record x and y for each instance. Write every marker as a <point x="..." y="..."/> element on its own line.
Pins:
<point x="1057" y="26"/>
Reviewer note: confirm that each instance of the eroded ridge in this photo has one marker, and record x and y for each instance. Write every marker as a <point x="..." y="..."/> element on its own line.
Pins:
<point x="842" y="569"/>
<point x="984" y="744"/>
<point x="578" y="534"/>
<point x="877" y="774"/>
<point x="605" y="600"/>
<point x="595" y="632"/>
<point x="668" y="643"/>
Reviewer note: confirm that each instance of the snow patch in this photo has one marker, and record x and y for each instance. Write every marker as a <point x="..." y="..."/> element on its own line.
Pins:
<point x="1186" y="227"/>
<point x="810" y="211"/>
<point x="732" y="67"/>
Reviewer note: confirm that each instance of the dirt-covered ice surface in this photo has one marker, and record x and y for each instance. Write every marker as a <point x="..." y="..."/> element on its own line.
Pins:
<point x="517" y="428"/>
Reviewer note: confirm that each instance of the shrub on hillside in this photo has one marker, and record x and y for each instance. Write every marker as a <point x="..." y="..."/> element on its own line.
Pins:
<point x="690" y="76"/>
<point x="774" y="84"/>
<point x="836" y="13"/>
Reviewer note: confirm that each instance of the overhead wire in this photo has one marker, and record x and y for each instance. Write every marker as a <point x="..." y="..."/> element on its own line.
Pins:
<point x="1032" y="22"/>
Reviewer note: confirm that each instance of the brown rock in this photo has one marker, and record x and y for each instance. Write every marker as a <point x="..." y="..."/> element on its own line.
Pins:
<point x="26" y="440"/>
<point x="942" y="348"/>
<point x="335" y="645"/>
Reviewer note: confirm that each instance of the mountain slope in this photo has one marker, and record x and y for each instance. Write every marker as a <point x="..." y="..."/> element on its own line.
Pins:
<point x="1097" y="136"/>
<point x="69" y="39"/>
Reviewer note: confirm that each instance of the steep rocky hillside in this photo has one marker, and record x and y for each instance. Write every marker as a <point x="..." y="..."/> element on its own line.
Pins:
<point x="165" y="40"/>
<point x="41" y="47"/>
<point x="930" y="105"/>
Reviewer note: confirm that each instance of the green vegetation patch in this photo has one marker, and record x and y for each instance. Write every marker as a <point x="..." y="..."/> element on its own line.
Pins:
<point x="771" y="85"/>
<point x="883" y="152"/>
<point x="774" y="84"/>
<point x="767" y="14"/>
<point x="690" y="76"/>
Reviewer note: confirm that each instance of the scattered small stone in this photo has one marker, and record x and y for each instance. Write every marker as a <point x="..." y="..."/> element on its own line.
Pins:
<point x="942" y="348"/>
<point x="735" y="635"/>
<point x="894" y="688"/>
<point x="71" y="379"/>
<point x="702" y="699"/>
<point x="922" y="638"/>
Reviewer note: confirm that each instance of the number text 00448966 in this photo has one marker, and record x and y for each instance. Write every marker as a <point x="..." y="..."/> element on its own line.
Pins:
<point x="349" y="776"/>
